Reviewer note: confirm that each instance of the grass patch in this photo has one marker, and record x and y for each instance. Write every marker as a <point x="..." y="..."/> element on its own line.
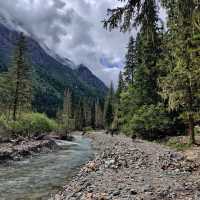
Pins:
<point x="88" y="129"/>
<point x="178" y="144"/>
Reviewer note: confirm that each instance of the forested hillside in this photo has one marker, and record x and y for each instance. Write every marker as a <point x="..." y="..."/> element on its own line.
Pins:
<point x="50" y="77"/>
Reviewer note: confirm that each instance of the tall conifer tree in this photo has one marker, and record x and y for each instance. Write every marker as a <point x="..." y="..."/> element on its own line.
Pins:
<point x="22" y="73"/>
<point x="131" y="62"/>
<point x="109" y="107"/>
<point x="181" y="85"/>
<point x="98" y="115"/>
<point x="121" y="85"/>
<point x="19" y="79"/>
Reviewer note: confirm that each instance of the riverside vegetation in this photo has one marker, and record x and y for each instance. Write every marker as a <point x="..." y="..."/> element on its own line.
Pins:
<point x="158" y="90"/>
<point x="19" y="120"/>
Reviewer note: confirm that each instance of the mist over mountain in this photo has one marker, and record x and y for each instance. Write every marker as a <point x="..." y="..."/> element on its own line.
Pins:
<point x="51" y="73"/>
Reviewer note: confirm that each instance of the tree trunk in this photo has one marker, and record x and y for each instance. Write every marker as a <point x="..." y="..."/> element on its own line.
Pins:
<point x="16" y="101"/>
<point x="191" y="130"/>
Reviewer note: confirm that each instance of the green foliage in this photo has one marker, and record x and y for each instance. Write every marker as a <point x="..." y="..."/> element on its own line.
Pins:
<point x="180" y="87"/>
<point x="109" y="108"/>
<point x="147" y="121"/>
<point x="15" y="85"/>
<point x="140" y="111"/>
<point x="68" y="123"/>
<point x="121" y="86"/>
<point x="178" y="144"/>
<point x="130" y="14"/>
<point x="49" y="76"/>
<point x="166" y="65"/>
<point x="88" y="129"/>
<point x="98" y="116"/>
<point x="150" y="121"/>
<point x="197" y="130"/>
<point x="28" y="124"/>
<point x="131" y="62"/>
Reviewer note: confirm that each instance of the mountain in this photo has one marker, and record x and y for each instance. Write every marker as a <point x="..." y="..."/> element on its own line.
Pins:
<point x="51" y="74"/>
<point x="90" y="79"/>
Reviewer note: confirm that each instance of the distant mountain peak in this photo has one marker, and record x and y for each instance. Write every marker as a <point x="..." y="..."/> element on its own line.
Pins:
<point x="14" y="25"/>
<point x="87" y="76"/>
<point x="11" y="23"/>
<point x="83" y="67"/>
<point x="52" y="74"/>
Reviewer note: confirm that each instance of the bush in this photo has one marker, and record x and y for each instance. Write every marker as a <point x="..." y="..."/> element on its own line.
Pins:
<point x="197" y="130"/>
<point x="4" y="127"/>
<point x="29" y="124"/>
<point x="88" y="129"/>
<point x="150" y="122"/>
<point x="178" y="143"/>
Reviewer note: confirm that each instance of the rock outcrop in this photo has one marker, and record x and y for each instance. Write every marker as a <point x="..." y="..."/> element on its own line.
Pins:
<point x="17" y="150"/>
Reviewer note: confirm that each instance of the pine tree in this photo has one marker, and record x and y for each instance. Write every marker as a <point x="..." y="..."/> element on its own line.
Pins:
<point x="121" y="85"/>
<point x="16" y="84"/>
<point x="93" y="114"/>
<point x="181" y="85"/>
<point x="6" y="91"/>
<point x="109" y="107"/>
<point x="98" y="115"/>
<point x="121" y="88"/>
<point x="131" y="14"/>
<point x="172" y="58"/>
<point x="78" y="117"/>
<point x="142" y="93"/>
<point x="68" y="121"/>
<point x="131" y="62"/>
<point x="148" y="54"/>
<point x="67" y="103"/>
<point x="87" y="112"/>
<point x="21" y="74"/>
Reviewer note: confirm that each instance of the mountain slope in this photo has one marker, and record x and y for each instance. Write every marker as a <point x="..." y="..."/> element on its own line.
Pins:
<point x="50" y="76"/>
<point x="90" y="79"/>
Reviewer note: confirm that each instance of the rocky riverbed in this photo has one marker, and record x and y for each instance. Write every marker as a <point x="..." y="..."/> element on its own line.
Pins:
<point x="39" y="176"/>
<point x="22" y="147"/>
<point x="134" y="170"/>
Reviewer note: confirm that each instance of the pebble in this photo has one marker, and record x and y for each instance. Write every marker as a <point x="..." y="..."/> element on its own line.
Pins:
<point x="139" y="170"/>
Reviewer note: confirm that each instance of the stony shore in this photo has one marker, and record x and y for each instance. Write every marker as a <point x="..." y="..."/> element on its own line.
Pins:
<point x="17" y="150"/>
<point x="134" y="170"/>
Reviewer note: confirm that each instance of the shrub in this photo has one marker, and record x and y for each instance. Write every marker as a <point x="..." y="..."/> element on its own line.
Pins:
<point x="197" y="130"/>
<point x="178" y="143"/>
<point x="29" y="124"/>
<point x="88" y="129"/>
<point x="4" y="127"/>
<point x="150" y="122"/>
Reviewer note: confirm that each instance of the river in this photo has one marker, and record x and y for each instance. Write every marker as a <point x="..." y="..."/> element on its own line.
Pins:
<point x="39" y="176"/>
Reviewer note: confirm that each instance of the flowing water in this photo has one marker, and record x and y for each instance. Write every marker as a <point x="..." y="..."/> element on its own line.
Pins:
<point x="38" y="177"/>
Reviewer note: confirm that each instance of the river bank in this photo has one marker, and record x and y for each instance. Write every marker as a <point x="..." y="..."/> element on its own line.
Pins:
<point x="134" y="170"/>
<point x="17" y="149"/>
<point x="16" y="152"/>
<point x="40" y="175"/>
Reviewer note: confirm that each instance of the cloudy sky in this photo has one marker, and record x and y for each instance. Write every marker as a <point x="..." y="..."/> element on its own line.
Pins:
<point x="74" y="30"/>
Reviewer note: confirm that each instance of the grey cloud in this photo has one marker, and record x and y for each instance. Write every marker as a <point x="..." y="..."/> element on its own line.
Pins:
<point x="73" y="29"/>
<point x="40" y="18"/>
<point x="59" y="3"/>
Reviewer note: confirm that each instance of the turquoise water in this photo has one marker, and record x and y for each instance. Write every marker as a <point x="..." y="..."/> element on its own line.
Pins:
<point x="38" y="177"/>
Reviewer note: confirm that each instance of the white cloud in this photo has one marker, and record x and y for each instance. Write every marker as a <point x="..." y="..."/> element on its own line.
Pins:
<point x="74" y="30"/>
